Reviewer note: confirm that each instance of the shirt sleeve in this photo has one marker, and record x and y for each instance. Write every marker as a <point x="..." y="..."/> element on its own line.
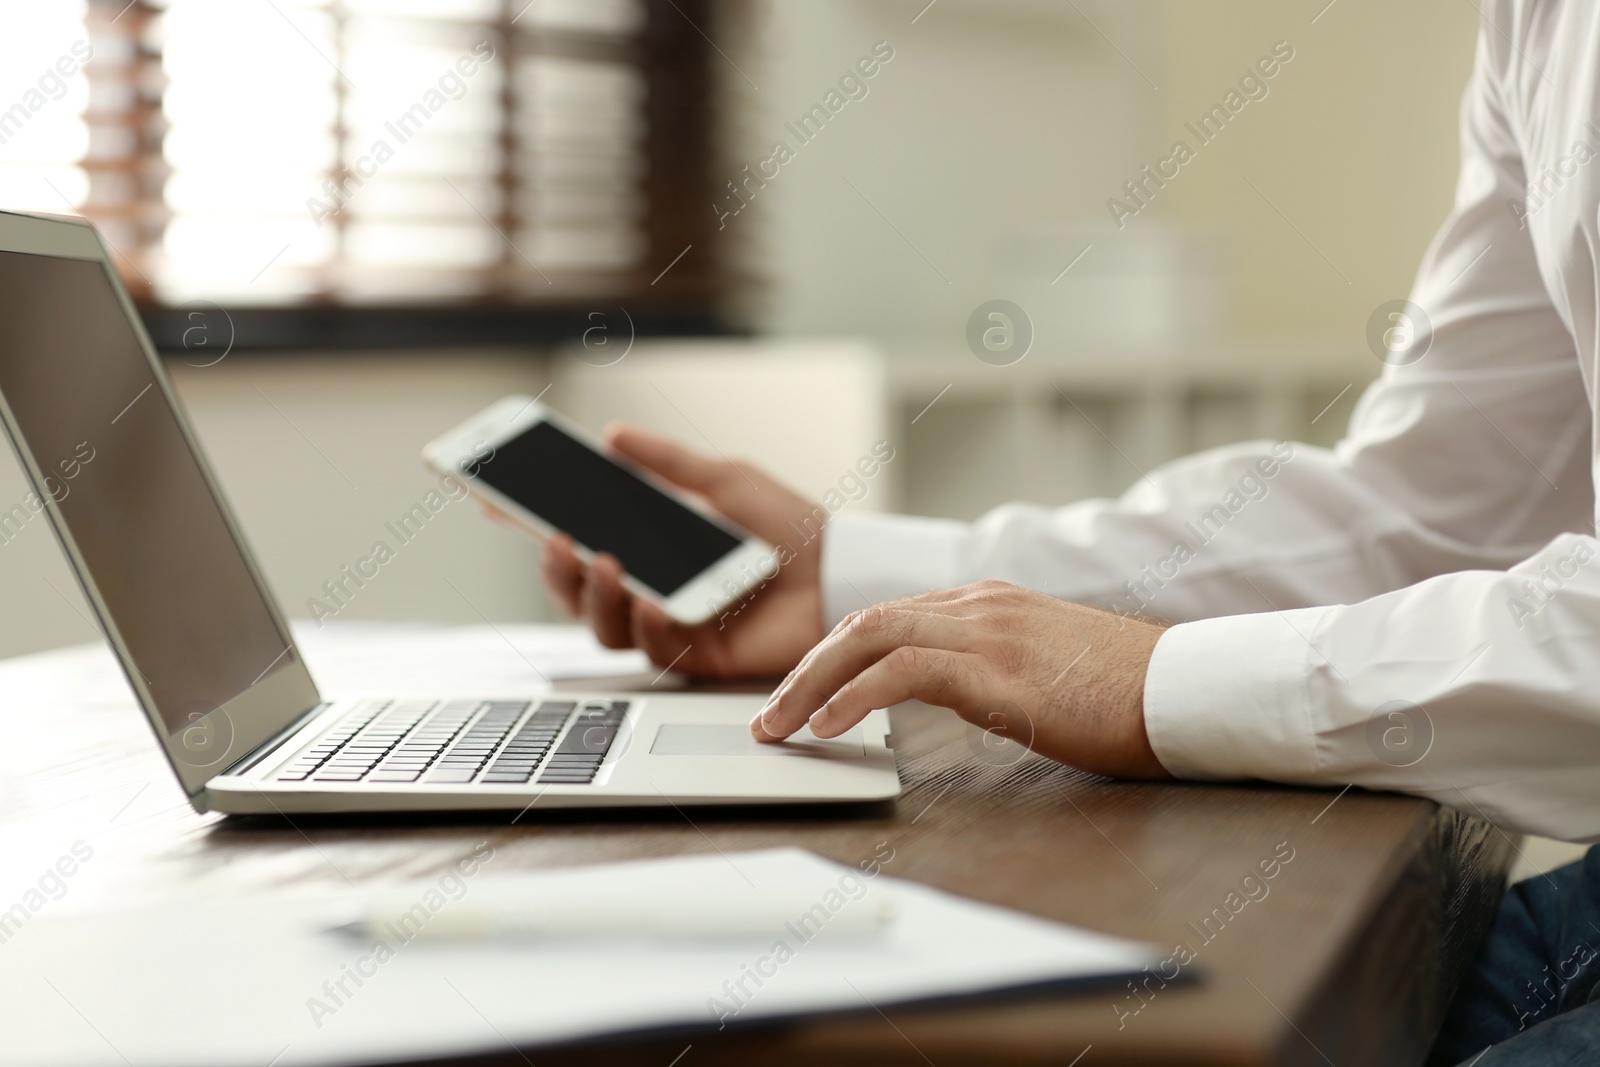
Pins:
<point x="1479" y="689"/>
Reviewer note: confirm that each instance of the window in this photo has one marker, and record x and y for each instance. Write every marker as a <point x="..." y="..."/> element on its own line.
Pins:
<point x="332" y="156"/>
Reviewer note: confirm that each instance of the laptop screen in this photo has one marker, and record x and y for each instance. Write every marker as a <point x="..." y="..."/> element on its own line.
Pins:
<point x="129" y="489"/>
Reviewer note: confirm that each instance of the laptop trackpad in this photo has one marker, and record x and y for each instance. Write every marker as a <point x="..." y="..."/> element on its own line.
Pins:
<point x="719" y="739"/>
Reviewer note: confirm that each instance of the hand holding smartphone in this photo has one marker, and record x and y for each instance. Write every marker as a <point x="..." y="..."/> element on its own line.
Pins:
<point x="532" y="465"/>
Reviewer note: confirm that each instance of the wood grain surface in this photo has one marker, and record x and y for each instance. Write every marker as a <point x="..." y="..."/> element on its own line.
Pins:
<point x="1346" y="957"/>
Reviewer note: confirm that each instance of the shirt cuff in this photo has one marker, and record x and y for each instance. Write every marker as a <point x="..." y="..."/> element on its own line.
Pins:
<point x="1228" y="698"/>
<point x="868" y="558"/>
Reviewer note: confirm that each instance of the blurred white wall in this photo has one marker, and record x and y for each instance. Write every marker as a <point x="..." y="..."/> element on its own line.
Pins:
<point x="1355" y="145"/>
<point x="983" y="157"/>
<point x="993" y="119"/>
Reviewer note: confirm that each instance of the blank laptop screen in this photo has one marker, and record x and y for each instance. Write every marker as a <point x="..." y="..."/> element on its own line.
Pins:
<point x="129" y="489"/>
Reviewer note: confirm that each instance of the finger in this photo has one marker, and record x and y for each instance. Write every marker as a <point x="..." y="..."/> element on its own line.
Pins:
<point x="668" y="643"/>
<point x="924" y="602"/>
<point x="932" y="675"/>
<point x="743" y="493"/>
<point x="861" y="640"/>
<point x="682" y="466"/>
<point x="495" y="514"/>
<point x="563" y="573"/>
<point x="870" y="624"/>
<point x="606" y="604"/>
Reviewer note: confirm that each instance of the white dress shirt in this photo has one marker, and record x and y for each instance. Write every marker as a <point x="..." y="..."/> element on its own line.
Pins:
<point x="1419" y="608"/>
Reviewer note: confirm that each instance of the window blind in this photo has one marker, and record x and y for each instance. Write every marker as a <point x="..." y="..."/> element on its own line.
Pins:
<point x="295" y="153"/>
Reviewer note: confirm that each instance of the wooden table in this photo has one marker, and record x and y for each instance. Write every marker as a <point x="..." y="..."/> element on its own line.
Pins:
<point x="1347" y="959"/>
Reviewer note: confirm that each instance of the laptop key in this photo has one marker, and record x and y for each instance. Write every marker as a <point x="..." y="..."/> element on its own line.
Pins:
<point x="584" y="737"/>
<point x="458" y="742"/>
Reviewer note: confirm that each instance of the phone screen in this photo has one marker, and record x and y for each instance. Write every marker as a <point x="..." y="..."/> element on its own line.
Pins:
<point x="604" y="507"/>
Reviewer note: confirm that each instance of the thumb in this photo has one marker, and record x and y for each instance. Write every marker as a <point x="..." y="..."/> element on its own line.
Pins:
<point x="749" y="496"/>
<point x="669" y="644"/>
<point x="663" y="456"/>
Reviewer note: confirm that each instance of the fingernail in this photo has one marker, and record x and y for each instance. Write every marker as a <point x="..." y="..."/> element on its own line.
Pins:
<point x="819" y="718"/>
<point x="769" y="714"/>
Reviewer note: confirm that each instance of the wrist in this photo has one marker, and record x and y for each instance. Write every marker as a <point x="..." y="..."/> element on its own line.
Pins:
<point x="1143" y="761"/>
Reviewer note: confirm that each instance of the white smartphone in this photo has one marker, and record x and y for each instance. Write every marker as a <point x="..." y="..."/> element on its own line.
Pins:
<point x="534" y="466"/>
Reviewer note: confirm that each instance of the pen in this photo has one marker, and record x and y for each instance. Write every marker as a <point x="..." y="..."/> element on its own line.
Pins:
<point x="687" y="917"/>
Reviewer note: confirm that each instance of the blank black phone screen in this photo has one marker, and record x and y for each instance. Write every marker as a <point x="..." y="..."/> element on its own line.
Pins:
<point x="604" y="507"/>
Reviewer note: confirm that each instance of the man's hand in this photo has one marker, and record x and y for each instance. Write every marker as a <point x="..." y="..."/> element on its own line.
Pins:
<point x="764" y="635"/>
<point x="1063" y="679"/>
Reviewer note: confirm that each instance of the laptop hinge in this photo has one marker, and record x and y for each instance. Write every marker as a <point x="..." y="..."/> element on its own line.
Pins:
<point x="266" y="748"/>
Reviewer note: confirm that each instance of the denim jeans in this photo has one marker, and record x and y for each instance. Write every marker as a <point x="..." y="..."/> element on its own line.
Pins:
<point x="1532" y="998"/>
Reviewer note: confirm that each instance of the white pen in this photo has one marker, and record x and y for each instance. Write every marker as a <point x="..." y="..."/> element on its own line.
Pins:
<point x="701" y="916"/>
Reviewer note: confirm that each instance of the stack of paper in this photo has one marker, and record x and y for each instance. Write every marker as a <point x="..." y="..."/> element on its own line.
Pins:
<point x="258" y="980"/>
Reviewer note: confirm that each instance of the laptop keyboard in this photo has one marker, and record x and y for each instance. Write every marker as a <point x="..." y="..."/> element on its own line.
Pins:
<point x="456" y="742"/>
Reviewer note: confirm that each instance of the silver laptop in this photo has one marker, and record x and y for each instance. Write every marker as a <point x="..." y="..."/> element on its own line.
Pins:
<point x="115" y="466"/>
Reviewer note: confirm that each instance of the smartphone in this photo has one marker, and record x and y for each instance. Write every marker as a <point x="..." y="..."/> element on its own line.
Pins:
<point x="533" y="465"/>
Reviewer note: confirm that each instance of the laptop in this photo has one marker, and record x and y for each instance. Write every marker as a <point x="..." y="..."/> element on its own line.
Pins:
<point x="118" y="471"/>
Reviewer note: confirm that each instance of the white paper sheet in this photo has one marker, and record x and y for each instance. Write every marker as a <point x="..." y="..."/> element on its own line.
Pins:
<point x="258" y="980"/>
